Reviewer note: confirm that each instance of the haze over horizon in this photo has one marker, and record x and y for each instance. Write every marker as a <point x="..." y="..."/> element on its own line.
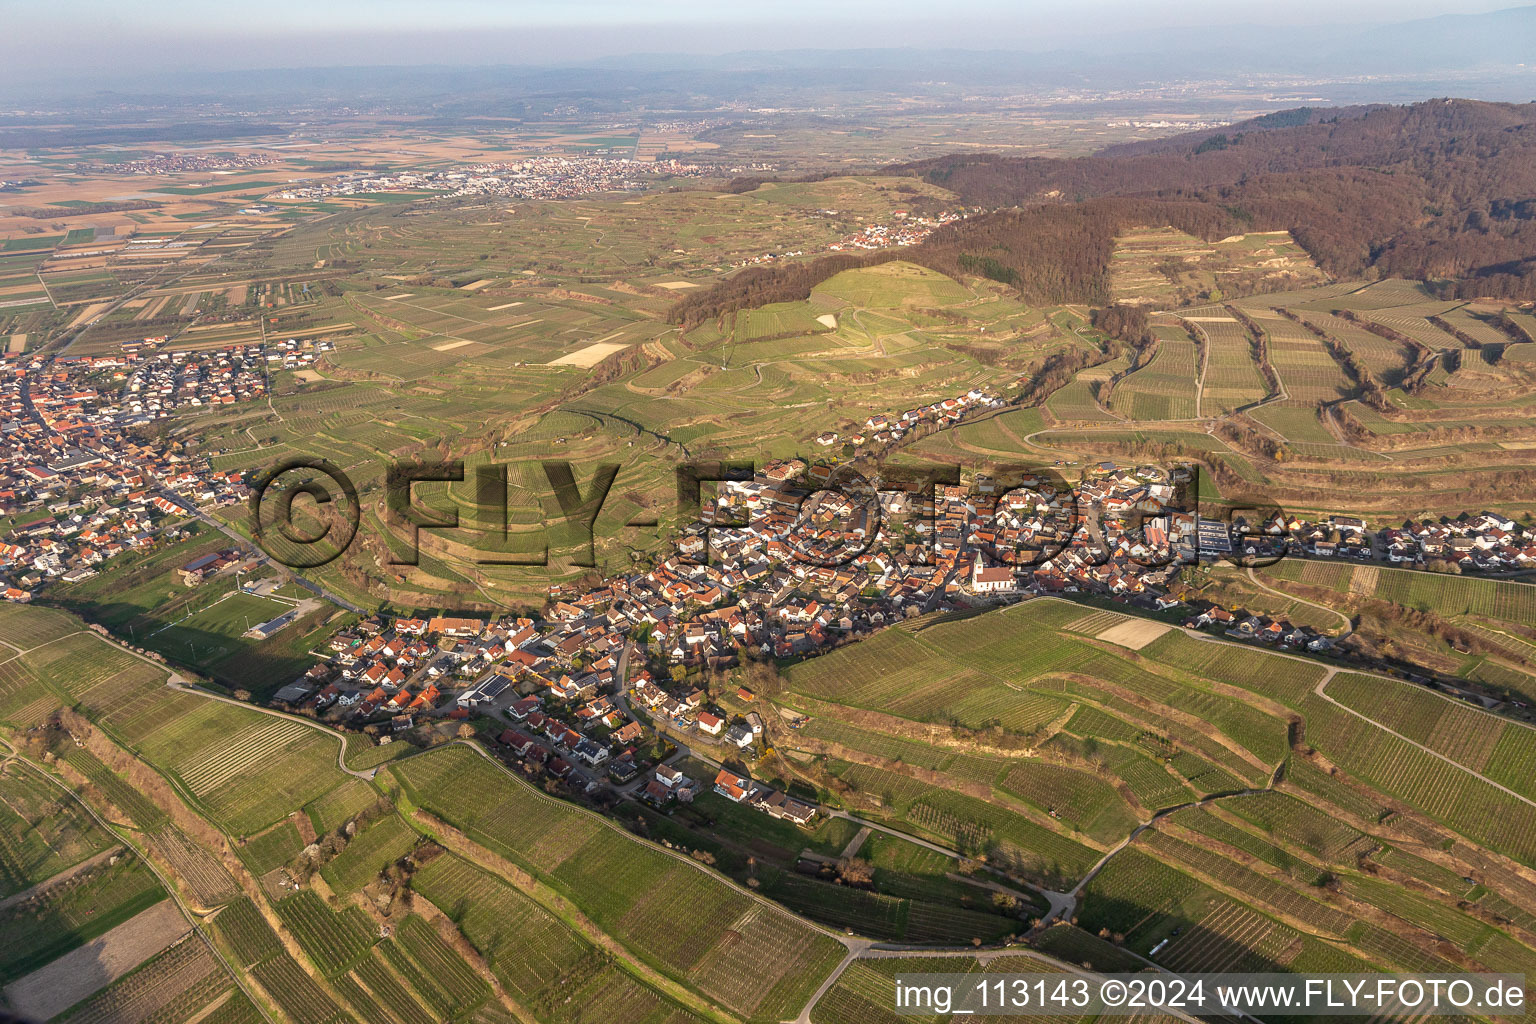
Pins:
<point x="113" y="41"/>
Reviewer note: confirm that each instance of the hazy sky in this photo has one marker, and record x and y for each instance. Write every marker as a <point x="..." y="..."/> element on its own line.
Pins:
<point x="50" y="38"/>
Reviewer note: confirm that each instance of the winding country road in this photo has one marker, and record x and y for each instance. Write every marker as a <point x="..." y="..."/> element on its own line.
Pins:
<point x="176" y="681"/>
<point x="1319" y="690"/>
<point x="192" y="919"/>
<point x="1349" y="627"/>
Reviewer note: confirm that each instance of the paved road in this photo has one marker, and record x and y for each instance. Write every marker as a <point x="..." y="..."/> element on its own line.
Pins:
<point x="1319" y="690"/>
<point x="192" y="919"/>
<point x="856" y="948"/>
<point x="1349" y="627"/>
<point x="177" y="681"/>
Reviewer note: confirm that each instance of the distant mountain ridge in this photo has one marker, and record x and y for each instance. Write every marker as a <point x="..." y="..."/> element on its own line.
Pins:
<point x="1441" y="191"/>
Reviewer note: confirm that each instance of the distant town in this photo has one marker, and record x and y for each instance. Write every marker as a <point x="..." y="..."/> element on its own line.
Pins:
<point x="909" y="229"/>
<point x="540" y="177"/>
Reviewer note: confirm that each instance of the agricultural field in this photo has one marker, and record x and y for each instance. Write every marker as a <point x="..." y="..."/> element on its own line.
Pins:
<point x="1168" y="268"/>
<point x="1385" y="359"/>
<point x="1078" y="402"/>
<point x="333" y="940"/>
<point x="341" y="804"/>
<point x="1019" y="678"/>
<point x="1238" y="876"/>
<point x="374" y="847"/>
<point x="206" y="880"/>
<point x="53" y="920"/>
<point x="496" y="351"/>
<point x="598" y="866"/>
<point x="1233" y="379"/>
<point x="1295" y="422"/>
<point x="1506" y="601"/>
<point x="184" y="982"/>
<point x="1167" y="387"/>
<point x="1308" y="372"/>
<point x="1084" y="782"/>
<point x="529" y="949"/>
<point x="43" y="830"/>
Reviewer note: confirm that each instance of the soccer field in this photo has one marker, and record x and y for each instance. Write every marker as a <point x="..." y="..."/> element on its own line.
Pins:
<point x="214" y="631"/>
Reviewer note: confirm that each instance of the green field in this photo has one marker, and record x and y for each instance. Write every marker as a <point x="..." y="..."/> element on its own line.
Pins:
<point x="1227" y="805"/>
<point x="212" y="632"/>
<point x="373" y="848"/>
<point x="65" y="916"/>
<point x="601" y="868"/>
<point x="42" y="830"/>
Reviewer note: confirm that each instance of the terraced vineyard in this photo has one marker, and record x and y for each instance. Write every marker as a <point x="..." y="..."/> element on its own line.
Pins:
<point x="333" y="940"/>
<point x="374" y="848"/>
<point x="1239" y="877"/>
<point x="1165" y="388"/>
<point x="1387" y="360"/>
<point x="1088" y="804"/>
<point x="1232" y="377"/>
<point x="1083" y="780"/>
<point x="625" y="886"/>
<point x="529" y="948"/>
<point x="1502" y="600"/>
<point x="1091" y="739"/>
<point x="1307" y="371"/>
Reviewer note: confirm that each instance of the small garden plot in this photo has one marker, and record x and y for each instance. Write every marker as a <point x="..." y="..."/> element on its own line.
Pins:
<point x="1135" y="633"/>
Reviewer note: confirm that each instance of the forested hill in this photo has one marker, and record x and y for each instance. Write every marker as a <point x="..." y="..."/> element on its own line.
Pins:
<point x="1442" y="191"/>
<point x="1434" y="139"/>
